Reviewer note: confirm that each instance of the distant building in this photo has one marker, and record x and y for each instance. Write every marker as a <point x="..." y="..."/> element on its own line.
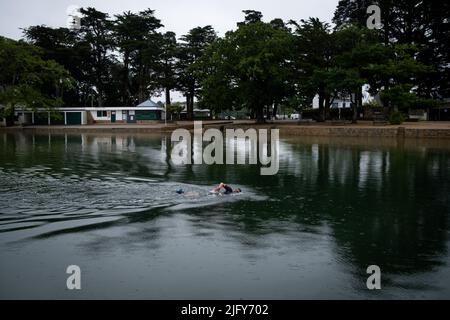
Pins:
<point x="198" y="113"/>
<point x="60" y="116"/>
<point x="342" y="101"/>
<point x="147" y="111"/>
<point x="337" y="103"/>
<point x="441" y="112"/>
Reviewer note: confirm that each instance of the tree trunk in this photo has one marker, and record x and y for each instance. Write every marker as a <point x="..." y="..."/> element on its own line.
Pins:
<point x="260" y="114"/>
<point x="141" y="94"/>
<point x="168" y="103"/>
<point x="126" y="80"/>
<point x="355" y="113"/>
<point x="192" y="107"/>
<point x="360" y="98"/>
<point x="358" y="104"/>
<point x="326" y="113"/>
<point x="9" y="117"/>
<point x="321" y="100"/>
<point x="268" y="114"/>
<point x="100" y="99"/>
<point x="189" y="107"/>
<point x="275" y="110"/>
<point x="355" y="106"/>
<point x="385" y="12"/>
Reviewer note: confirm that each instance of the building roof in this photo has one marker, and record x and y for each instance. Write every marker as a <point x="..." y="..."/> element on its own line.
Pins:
<point x="157" y="108"/>
<point x="148" y="103"/>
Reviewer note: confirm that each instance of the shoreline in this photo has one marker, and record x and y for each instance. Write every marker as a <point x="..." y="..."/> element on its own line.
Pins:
<point x="364" y="129"/>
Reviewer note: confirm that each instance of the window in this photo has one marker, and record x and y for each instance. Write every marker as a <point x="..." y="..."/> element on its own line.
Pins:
<point x="102" y="114"/>
<point x="146" y="115"/>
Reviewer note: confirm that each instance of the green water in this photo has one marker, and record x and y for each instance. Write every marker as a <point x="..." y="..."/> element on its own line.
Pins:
<point x="107" y="203"/>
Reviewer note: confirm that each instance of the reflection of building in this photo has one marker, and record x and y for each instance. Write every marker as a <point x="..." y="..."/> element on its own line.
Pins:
<point x="108" y="143"/>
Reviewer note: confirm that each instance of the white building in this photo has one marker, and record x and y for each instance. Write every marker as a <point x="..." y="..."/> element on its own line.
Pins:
<point x="338" y="103"/>
<point x="147" y="111"/>
<point x="62" y="116"/>
<point x="343" y="101"/>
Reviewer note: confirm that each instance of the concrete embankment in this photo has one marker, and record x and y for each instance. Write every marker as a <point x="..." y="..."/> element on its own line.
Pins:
<point x="362" y="129"/>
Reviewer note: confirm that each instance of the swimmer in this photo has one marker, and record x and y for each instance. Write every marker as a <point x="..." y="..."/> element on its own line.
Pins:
<point x="217" y="189"/>
<point x="228" y="189"/>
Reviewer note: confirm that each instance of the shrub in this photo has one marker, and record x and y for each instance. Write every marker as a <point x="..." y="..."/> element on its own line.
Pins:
<point x="397" y="118"/>
<point x="371" y="104"/>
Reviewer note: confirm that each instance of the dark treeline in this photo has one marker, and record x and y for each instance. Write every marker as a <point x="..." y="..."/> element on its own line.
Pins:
<point x="258" y="67"/>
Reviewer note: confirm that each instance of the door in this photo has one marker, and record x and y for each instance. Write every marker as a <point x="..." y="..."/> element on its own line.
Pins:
<point x="73" y="118"/>
<point x="131" y="117"/>
<point x="113" y="117"/>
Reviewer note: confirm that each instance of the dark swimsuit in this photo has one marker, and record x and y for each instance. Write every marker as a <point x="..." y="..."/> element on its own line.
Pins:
<point x="228" y="189"/>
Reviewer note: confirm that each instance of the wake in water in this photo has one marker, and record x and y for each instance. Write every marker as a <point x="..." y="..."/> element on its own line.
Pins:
<point x="37" y="196"/>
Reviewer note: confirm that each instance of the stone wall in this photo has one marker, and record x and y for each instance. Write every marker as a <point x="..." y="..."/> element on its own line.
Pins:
<point x="367" y="132"/>
<point x="287" y="131"/>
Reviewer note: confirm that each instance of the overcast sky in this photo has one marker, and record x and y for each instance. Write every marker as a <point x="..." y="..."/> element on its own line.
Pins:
<point x="177" y="15"/>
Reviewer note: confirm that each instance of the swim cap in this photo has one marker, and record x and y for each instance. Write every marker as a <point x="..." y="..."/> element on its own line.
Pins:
<point x="180" y="191"/>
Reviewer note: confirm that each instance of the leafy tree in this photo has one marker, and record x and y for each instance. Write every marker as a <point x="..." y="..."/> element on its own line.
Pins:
<point x="259" y="65"/>
<point x="423" y="24"/>
<point x="396" y="77"/>
<point x="356" y="48"/>
<point x="315" y="48"/>
<point x="191" y="50"/>
<point x="125" y="32"/>
<point x="175" y="109"/>
<point x="137" y="40"/>
<point x="28" y="81"/>
<point x="96" y="33"/>
<point x="250" y="67"/>
<point x="251" y="16"/>
<point x="63" y="46"/>
<point x="166" y="69"/>
<point x="216" y="71"/>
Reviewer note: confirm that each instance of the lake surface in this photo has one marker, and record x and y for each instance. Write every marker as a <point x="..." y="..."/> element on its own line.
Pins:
<point x="107" y="203"/>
